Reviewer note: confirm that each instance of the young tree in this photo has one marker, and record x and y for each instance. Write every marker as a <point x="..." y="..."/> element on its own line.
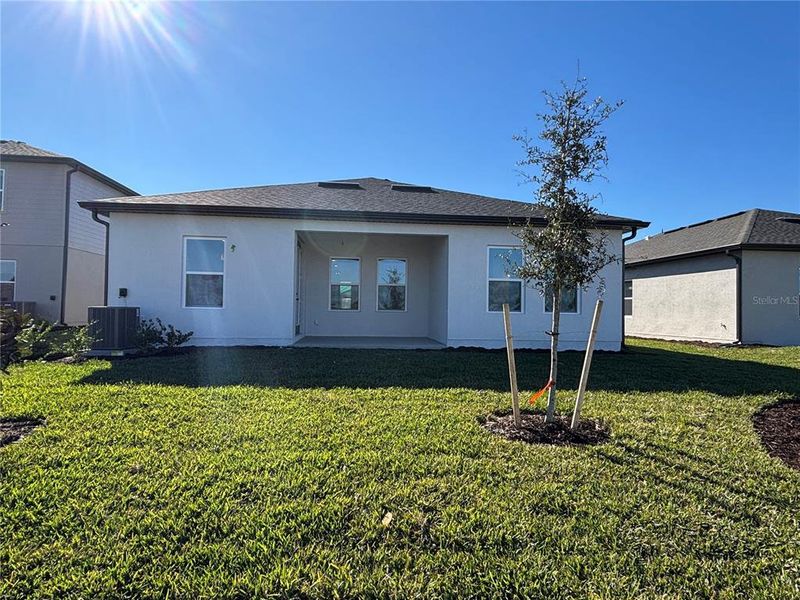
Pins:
<point x="568" y="251"/>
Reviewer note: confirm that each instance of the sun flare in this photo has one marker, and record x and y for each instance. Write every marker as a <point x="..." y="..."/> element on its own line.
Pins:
<point x="133" y="28"/>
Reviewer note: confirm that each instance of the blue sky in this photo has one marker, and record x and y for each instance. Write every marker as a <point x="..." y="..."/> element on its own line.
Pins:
<point x="175" y="97"/>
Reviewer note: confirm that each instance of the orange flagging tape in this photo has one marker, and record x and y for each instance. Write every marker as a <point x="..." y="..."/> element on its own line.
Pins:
<point x="538" y="394"/>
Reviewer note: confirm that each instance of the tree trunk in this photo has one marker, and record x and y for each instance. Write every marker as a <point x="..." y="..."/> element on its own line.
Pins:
<point x="551" y="398"/>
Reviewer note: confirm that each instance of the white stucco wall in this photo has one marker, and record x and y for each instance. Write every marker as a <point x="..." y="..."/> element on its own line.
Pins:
<point x="471" y="324"/>
<point x="146" y="257"/>
<point x="770" y="302"/>
<point x="320" y="247"/>
<point x="438" y="285"/>
<point x="691" y="299"/>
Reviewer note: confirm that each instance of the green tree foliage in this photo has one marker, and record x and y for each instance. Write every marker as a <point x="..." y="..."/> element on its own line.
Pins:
<point x="569" y="250"/>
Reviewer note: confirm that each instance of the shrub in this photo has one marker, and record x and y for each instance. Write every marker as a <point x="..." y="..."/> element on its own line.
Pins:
<point x="76" y="341"/>
<point x="148" y="335"/>
<point x="24" y="337"/>
<point x="154" y="335"/>
<point x="175" y="337"/>
<point x="34" y="340"/>
<point x="10" y="326"/>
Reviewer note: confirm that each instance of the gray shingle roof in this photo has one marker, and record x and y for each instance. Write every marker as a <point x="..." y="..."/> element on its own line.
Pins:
<point x="15" y="148"/>
<point x="363" y="199"/>
<point x="752" y="228"/>
<point x="15" y="151"/>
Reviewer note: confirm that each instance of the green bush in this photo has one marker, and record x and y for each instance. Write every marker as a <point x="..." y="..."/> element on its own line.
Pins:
<point x="153" y="334"/>
<point x="10" y="326"/>
<point x="27" y="338"/>
<point x="76" y="341"/>
<point x="35" y="339"/>
<point x="175" y="337"/>
<point x="148" y="335"/>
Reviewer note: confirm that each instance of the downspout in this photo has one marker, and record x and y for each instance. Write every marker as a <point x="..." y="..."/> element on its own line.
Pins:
<point x="632" y="235"/>
<point x="67" y="197"/>
<point x="738" y="260"/>
<point x="105" y="224"/>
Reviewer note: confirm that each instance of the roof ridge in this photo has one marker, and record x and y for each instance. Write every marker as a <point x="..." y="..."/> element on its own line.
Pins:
<point x="747" y="229"/>
<point x="705" y="222"/>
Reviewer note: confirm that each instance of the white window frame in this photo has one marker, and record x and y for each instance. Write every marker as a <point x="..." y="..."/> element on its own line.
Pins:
<point x="522" y="286"/>
<point x="331" y="284"/>
<point x="14" y="283"/>
<point x="2" y="189"/>
<point x="378" y="284"/>
<point x="186" y="240"/>
<point x="624" y="297"/>
<point x="578" y="303"/>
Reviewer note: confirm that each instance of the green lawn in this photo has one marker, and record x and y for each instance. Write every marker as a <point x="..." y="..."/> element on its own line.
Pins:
<point x="241" y="473"/>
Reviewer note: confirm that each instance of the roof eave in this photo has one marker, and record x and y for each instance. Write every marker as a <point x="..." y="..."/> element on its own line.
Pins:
<point x="331" y="215"/>
<point x="76" y="164"/>
<point x="709" y="251"/>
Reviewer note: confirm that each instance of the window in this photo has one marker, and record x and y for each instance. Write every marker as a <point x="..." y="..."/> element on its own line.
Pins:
<point x="2" y="187"/>
<point x="504" y="285"/>
<point x="569" y="299"/>
<point x="204" y="272"/>
<point x="8" y="280"/>
<point x="628" y="298"/>
<point x="391" y="284"/>
<point x="345" y="283"/>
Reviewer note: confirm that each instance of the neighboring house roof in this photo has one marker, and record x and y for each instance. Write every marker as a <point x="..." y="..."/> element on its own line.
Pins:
<point x="14" y="148"/>
<point x="754" y="229"/>
<point x="366" y="199"/>
<point x="15" y="151"/>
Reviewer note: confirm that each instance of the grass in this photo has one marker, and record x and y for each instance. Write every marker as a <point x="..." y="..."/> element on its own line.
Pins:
<point x="250" y="472"/>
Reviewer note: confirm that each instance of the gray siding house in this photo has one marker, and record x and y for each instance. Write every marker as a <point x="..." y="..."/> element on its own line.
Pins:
<point x="735" y="279"/>
<point x="52" y="253"/>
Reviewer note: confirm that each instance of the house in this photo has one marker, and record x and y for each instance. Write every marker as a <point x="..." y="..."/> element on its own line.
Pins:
<point x="734" y="279"/>
<point x="357" y="262"/>
<point x="52" y="254"/>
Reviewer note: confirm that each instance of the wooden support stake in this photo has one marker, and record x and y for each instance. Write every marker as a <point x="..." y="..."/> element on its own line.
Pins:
<point x="587" y="363"/>
<point x="512" y="366"/>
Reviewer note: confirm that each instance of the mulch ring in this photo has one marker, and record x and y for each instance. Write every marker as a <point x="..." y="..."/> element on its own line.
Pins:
<point x="15" y="428"/>
<point x="535" y="431"/>
<point x="778" y="425"/>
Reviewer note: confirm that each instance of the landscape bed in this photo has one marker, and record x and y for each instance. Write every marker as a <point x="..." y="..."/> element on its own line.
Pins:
<point x="240" y="473"/>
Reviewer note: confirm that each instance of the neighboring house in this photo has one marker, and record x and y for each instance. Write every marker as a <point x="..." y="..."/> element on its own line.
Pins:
<point x="52" y="252"/>
<point x="367" y="262"/>
<point x="733" y="279"/>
